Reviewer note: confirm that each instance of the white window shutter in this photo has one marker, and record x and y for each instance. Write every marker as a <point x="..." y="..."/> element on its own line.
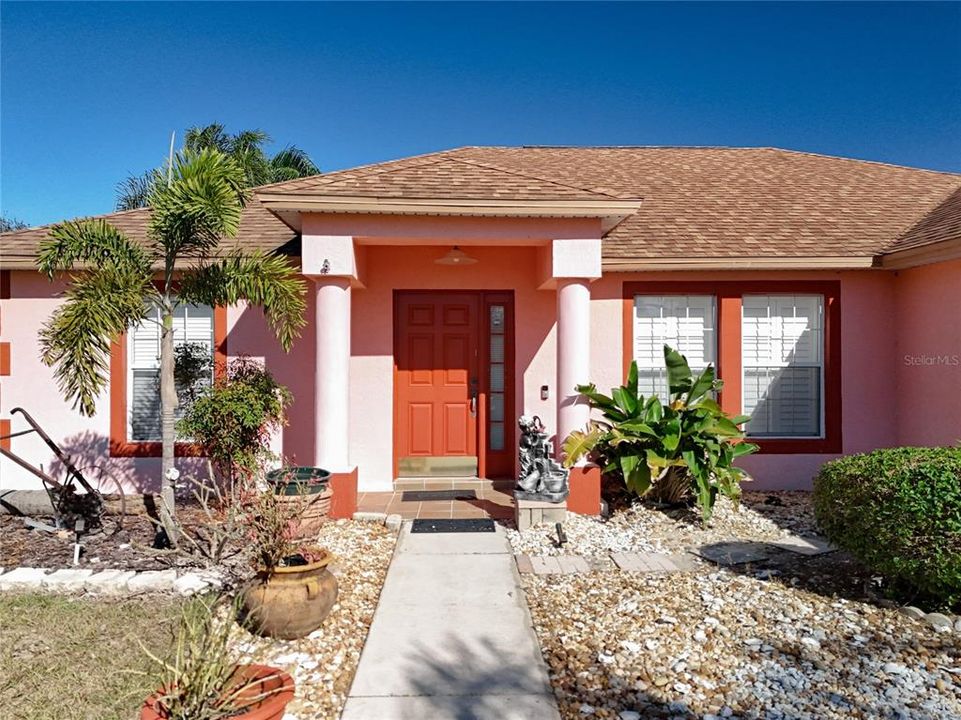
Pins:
<point x="145" y="405"/>
<point x="684" y="322"/>
<point x="782" y="350"/>
<point x="145" y="344"/>
<point x="191" y="323"/>
<point x="198" y="325"/>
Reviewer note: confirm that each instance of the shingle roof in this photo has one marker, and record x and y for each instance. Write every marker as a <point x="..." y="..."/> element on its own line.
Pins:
<point x="440" y="176"/>
<point x="259" y="230"/>
<point x="695" y="201"/>
<point x="741" y="201"/>
<point x="942" y="223"/>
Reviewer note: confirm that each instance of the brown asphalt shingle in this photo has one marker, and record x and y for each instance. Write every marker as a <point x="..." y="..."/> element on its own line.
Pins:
<point x="438" y="176"/>
<point x="943" y="223"/>
<point x="729" y="202"/>
<point x="713" y="202"/>
<point x="259" y="230"/>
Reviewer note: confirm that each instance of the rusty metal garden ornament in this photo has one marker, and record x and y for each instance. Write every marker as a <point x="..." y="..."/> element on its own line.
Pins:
<point x="541" y="477"/>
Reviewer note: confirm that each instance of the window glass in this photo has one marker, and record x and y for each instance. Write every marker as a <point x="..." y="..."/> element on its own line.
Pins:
<point x="782" y="356"/>
<point x="495" y="413"/>
<point x="192" y="324"/>
<point x="687" y="323"/>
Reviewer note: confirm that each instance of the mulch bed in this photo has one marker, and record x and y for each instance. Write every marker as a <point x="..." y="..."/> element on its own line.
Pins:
<point x="128" y="548"/>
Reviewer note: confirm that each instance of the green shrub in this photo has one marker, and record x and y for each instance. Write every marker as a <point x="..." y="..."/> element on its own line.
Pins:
<point x="671" y="450"/>
<point x="232" y="419"/>
<point x="899" y="512"/>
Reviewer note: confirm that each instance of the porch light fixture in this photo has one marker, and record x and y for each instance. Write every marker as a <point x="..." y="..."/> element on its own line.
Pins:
<point x="456" y="257"/>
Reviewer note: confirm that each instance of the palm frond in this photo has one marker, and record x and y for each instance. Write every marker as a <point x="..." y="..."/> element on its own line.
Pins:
<point x="206" y="137"/>
<point x="9" y="224"/>
<point x="75" y="341"/>
<point x="248" y="140"/>
<point x="292" y="162"/>
<point x="201" y="204"/>
<point x="134" y="191"/>
<point x="94" y="242"/>
<point x="268" y="281"/>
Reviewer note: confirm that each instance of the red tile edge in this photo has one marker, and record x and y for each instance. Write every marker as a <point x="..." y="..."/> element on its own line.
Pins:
<point x="585" y="496"/>
<point x="344" y="502"/>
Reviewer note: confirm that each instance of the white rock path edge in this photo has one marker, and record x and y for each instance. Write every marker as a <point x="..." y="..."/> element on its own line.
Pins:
<point x="109" y="581"/>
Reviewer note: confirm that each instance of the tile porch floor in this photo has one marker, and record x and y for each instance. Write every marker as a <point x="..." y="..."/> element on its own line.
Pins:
<point x="494" y="499"/>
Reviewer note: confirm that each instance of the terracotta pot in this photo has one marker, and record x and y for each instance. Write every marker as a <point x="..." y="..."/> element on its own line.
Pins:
<point x="262" y="680"/>
<point x="290" y="602"/>
<point x="315" y="512"/>
<point x="308" y="490"/>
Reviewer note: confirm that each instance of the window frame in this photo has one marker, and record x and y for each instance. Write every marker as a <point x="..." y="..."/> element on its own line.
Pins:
<point x="728" y="300"/>
<point x="120" y="443"/>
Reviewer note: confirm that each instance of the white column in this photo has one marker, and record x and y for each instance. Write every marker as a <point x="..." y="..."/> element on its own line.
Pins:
<point x="573" y="354"/>
<point x="332" y="373"/>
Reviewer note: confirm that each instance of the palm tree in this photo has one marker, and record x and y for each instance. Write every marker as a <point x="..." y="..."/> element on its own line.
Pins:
<point x="8" y="224"/>
<point x="120" y="283"/>
<point x="245" y="147"/>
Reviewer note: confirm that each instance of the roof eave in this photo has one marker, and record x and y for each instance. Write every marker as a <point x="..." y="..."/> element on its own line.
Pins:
<point x="288" y="206"/>
<point x="770" y="262"/>
<point x="941" y="251"/>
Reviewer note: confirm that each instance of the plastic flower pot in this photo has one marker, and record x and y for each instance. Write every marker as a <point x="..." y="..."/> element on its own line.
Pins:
<point x="267" y="689"/>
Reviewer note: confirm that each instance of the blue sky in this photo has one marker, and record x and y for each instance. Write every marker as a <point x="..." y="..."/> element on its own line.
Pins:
<point x="91" y="92"/>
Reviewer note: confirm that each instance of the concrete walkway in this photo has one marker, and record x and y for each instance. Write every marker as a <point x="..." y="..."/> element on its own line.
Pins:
<point x="452" y="637"/>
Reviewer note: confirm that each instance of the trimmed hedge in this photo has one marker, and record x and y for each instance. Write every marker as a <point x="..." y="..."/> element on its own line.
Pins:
<point x="899" y="512"/>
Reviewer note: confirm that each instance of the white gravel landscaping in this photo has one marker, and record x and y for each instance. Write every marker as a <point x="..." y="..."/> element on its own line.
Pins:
<point x="717" y="644"/>
<point x="765" y="640"/>
<point x="323" y="664"/>
<point x="640" y="528"/>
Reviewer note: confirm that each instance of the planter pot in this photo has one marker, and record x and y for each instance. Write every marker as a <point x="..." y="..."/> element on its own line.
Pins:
<point x="313" y="512"/>
<point x="308" y="487"/>
<point x="277" y="684"/>
<point x="290" y="602"/>
<point x="297" y="480"/>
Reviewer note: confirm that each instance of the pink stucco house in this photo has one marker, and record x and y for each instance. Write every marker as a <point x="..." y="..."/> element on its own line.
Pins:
<point x="452" y="292"/>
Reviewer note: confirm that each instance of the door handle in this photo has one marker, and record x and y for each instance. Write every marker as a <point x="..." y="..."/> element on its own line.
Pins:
<point x="473" y="397"/>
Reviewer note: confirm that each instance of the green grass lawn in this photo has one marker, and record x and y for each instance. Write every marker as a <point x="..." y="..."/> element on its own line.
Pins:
<point x="77" y="658"/>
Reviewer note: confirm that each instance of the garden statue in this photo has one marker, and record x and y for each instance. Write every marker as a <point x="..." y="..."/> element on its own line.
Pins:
<point x="541" y="478"/>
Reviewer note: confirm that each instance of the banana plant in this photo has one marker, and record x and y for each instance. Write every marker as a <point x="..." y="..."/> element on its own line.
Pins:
<point x="672" y="451"/>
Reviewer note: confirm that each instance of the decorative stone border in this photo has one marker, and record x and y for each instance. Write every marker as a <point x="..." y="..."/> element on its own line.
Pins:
<point x="108" y="582"/>
<point x="130" y="582"/>
<point x="939" y="622"/>
<point x="625" y="562"/>
<point x="391" y="522"/>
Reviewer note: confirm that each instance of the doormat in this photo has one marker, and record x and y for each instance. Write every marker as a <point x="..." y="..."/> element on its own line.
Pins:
<point x="428" y="495"/>
<point x="469" y="525"/>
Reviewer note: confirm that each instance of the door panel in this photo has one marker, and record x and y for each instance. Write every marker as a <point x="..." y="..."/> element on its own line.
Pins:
<point x="420" y="421"/>
<point x="437" y="367"/>
<point x="442" y="342"/>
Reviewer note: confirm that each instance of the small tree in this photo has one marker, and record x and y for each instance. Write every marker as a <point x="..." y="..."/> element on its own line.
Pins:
<point x="119" y="282"/>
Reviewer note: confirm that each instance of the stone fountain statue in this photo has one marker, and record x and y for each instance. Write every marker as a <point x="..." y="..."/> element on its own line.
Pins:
<point x="542" y="478"/>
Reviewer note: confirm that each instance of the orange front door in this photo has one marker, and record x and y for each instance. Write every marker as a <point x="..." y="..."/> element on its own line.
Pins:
<point x="436" y="383"/>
